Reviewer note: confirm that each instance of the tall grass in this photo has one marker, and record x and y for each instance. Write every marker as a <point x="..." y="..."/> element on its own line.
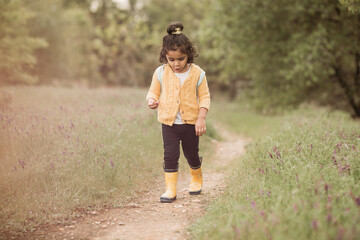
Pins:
<point x="241" y="118"/>
<point x="65" y="151"/>
<point x="299" y="182"/>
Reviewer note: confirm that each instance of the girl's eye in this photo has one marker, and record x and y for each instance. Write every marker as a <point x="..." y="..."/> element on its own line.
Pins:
<point x="171" y="60"/>
<point x="181" y="59"/>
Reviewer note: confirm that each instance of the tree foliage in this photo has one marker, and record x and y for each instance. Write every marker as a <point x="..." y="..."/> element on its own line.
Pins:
<point x="16" y="45"/>
<point x="352" y="5"/>
<point x="282" y="52"/>
<point x="67" y="32"/>
<point x="117" y="44"/>
<point x="97" y="40"/>
<point x="292" y="51"/>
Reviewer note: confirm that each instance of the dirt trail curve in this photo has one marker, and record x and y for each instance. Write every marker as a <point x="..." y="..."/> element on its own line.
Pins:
<point x="146" y="218"/>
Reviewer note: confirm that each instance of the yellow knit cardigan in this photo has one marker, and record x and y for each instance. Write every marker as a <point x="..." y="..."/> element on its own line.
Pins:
<point x="189" y="98"/>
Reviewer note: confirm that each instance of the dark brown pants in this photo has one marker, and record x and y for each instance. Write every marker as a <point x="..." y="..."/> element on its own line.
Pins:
<point x="172" y="135"/>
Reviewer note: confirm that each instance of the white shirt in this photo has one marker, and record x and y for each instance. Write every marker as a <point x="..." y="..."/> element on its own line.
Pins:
<point x="182" y="77"/>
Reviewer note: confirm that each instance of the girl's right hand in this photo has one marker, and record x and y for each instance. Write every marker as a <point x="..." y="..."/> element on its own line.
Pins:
<point x="152" y="103"/>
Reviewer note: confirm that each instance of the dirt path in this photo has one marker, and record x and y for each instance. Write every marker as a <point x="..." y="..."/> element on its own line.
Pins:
<point x="146" y="218"/>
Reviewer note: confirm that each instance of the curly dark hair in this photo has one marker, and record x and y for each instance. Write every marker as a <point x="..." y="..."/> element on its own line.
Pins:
<point x="173" y="42"/>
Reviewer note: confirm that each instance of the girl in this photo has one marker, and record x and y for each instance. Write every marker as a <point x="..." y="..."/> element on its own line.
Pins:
<point x="180" y="92"/>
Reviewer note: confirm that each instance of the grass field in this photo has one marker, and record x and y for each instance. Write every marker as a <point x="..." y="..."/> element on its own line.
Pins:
<point x="66" y="151"/>
<point x="298" y="180"/>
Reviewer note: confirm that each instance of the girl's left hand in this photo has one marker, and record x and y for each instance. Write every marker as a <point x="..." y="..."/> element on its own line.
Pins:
<point x="200" y="127"/>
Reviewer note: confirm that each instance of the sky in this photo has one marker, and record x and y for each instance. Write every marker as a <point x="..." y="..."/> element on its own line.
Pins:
<point x="120" y="3"/>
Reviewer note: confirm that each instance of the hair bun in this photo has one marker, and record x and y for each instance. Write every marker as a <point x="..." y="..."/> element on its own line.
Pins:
<point x="174" y="27"/>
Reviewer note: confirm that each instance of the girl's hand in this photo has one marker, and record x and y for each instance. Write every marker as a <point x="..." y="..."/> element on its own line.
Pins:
<point x="200" y="127"/>
<point x="152" y="103"/>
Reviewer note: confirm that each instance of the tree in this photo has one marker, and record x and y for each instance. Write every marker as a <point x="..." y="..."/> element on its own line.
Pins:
<point x="68" y="30"/>
<point x="293" y="51"/>
<point x="96" y="40"/>
<point x="117" y="43"/>
<point x="352" y="5"/>
<point x="16" y="45"/>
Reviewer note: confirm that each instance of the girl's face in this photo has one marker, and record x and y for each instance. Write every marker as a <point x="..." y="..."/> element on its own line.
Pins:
<point x="177" y="61"/>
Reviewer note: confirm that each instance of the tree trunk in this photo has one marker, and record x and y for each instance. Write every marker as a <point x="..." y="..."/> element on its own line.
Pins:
<point x="233" y="92"/>
<point x="357" y="74"/>
<point x="349" y="94"/>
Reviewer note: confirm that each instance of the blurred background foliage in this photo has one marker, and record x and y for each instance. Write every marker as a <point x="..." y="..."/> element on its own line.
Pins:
<point x="276" y="54"/>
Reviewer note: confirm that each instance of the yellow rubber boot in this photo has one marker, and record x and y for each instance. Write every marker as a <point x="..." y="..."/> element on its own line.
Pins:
<point x="196" y="181"/>
<point x="170" y="194"/>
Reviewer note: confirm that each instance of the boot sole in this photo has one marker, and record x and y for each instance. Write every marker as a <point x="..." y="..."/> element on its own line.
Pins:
<point x="195" y="193"/>
<point x="167" y="200"/>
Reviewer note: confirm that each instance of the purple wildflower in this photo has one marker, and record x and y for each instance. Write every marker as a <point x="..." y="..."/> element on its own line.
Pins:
<point x="339" y="145"/>
<point x="329" y="218"/>
<point x="341" y="232"/>
<point x="237" y="230"/>
<point x="357" y="201"/>
<point x="315" y="224"/>
<point x="275" y="148"/>
<point x="296" y="209"/>
<point x="334" y="158"/>
<point x="71" y="125"/>
<point x="111" y="162"/>
<point x="22" y="163"/>
<point x="277" y="152"/>
<point x="262" y="213"/>
<point x="326" y="188"/>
